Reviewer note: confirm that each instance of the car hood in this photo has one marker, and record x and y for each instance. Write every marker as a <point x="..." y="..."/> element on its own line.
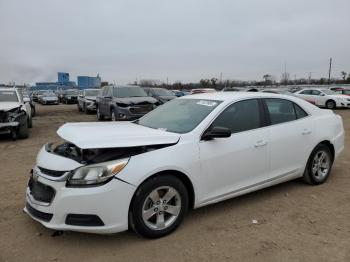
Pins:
<point x="49" y="97"/>
<point x="167" y="98"/>
<point x="6" y="106"/>
<point x="114" y="134"/>
<point x="136" y="100"/>
<point x="91" y="98"/>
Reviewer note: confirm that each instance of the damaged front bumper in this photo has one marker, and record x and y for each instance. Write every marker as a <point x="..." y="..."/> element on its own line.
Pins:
<point x="95" y="209"/>
<point x="8" y="127"/>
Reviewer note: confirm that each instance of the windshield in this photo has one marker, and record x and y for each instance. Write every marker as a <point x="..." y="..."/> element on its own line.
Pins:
<point x="329" y="92"/>
<point x="179" y="115"/>
<point x="162" y="92"/>
<point x="72" y="93"/>
<point x="91" y="92"/>
<point x="49" y="94"/>
<point x="8" y="96"/>
<point x="129" y="91"/>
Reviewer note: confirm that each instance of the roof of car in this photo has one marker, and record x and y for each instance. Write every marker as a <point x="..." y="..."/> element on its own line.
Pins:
<point x="230" y="96"/>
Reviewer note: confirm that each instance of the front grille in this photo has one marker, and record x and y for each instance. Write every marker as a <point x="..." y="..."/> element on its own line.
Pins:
<point x="53" y="173"/>
<point x="40" y="192"/>
<point x="84" y="220"/>
<point x="141" y="109"/>
<point x="38" y="214"/>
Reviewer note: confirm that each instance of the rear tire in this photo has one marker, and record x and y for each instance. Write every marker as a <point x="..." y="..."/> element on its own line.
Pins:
<point x="330" y="104"/>
<point x="318" y="166"/>
<point x="85" y="109"/>
<point x="159" y="206"/>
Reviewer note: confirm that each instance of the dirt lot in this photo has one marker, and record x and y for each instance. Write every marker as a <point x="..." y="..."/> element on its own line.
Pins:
<point x="296" y="222"/>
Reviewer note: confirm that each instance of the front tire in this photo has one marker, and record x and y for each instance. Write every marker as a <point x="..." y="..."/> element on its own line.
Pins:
<point x="23" y="130"/>
<point x="159" y="206"/>
<point x="330" y="104"/>
<point x="318" y="166"/>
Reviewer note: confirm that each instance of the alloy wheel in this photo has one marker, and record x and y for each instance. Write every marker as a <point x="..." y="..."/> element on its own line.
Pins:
<point x="320" y="165"/>
<point x="161" y="208"/>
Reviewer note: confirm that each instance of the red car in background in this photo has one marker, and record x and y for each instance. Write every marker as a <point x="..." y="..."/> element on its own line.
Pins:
<point x="341" y="90"/>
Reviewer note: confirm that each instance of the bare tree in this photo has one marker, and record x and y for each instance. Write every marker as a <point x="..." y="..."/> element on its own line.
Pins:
<point x="343" y="75"/>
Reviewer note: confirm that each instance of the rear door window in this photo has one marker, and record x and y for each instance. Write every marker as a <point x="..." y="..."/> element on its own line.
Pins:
<point x="280" y="110"/>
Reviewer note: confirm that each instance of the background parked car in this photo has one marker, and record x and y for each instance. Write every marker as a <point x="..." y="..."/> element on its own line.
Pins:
<point x="178" y="93"/>
<point x="70" y="96"/>
<point x="123" y="103"/>
<point x="161" y="94"/>
<point x="202" y="90"/>
<point x="341" y="90"/>
<point x="36" y="95"/>
<point x="48" y="98"/>
<point x="27" y="99"/>
<point x="15" y="113"/>
<point x="324" y="98"/>
<point x="87" y="100"/>
<point x="278" y="91"/>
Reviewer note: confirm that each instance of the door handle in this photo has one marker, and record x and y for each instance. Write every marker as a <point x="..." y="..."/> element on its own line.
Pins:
<point x="261" y="143"/>
<point x="306" y="132"/>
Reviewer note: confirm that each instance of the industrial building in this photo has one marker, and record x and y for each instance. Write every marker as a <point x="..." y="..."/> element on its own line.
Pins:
<point x="85" y="82"/>
<point x="63" y="82"/>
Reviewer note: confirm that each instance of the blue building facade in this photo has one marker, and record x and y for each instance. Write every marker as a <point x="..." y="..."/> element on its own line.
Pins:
<point x="63" y="77"/>
<point x="85" y="82"/>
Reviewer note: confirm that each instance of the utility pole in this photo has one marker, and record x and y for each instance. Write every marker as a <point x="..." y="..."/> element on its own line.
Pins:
<point x="330" y="70"/>
<point x="167" y="82"/>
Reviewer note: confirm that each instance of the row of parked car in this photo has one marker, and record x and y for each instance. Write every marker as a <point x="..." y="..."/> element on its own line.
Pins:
<point x="131" y="102"/>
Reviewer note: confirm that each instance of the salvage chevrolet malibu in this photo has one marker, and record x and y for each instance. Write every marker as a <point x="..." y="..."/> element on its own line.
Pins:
<point x="188" y="153"/>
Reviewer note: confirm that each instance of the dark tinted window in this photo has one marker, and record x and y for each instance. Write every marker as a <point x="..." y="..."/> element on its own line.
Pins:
<point x="306" y="92"/>
<point x="315" y="92"/>
<point x="299" y="111"/>
<point x="240" y="116"/>
<point x="280" y="110"/>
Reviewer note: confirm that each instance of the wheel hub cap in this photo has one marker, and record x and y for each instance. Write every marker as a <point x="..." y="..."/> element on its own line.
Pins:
<point x="161" y="208"/>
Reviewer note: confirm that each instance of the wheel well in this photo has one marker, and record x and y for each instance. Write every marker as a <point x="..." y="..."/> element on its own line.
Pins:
<point x="329" y="100"/>
<point x="183" y="178"/>
<point x="329" y="145"/>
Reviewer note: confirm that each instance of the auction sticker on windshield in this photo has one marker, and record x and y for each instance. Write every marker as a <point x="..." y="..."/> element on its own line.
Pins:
<point x="206" y="103"/>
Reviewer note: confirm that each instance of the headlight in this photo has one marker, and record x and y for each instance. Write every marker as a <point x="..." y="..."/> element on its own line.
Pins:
<point x="96" y="174"/>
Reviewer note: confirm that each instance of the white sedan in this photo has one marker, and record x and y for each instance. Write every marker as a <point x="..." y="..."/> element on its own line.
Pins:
<point x="190" y="152"/>
<point x="324" y="98"/>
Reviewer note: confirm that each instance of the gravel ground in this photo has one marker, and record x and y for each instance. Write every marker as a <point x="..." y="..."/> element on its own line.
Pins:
<point x="294" y="222"/>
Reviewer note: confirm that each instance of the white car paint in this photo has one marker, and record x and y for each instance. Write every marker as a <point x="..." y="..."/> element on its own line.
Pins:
<point x="11" y="105"/>
<point x="114" y="134"/>
<point x="218" y="169"/>
<point x="322" y="98"/>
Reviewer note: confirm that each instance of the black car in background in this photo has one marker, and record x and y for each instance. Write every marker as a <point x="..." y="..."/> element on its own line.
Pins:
<point x="123" y="103"/>
<point x="161" y="94"/>
<point x="70" y="96"/>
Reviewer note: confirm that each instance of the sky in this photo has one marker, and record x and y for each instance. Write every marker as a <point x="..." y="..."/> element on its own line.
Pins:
<point x="182" y="40"/>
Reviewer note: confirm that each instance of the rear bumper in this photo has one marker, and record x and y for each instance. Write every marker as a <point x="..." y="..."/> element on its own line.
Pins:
<point x="103" y="209"/>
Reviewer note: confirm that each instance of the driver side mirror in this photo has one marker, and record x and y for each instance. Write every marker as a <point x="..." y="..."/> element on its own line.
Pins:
<point x="216" y="132"/>
<point x="322" y="94"/>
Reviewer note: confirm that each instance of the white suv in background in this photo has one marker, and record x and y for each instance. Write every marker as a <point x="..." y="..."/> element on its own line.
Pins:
<point x="324" y="98"/>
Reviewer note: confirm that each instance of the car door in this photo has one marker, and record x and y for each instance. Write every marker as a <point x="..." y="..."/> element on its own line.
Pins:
<point x="290" y="133"/>
<point x="307" y="95"/>
<point x="106" y="98"/>
<point x="230" y="165"/>
<point x="318" y="97"/>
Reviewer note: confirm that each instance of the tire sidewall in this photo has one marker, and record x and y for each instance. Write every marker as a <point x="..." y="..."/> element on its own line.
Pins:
<point x="332" y="103"/>
<point x="308" y="173"/>
<point x="140" y="196"/>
